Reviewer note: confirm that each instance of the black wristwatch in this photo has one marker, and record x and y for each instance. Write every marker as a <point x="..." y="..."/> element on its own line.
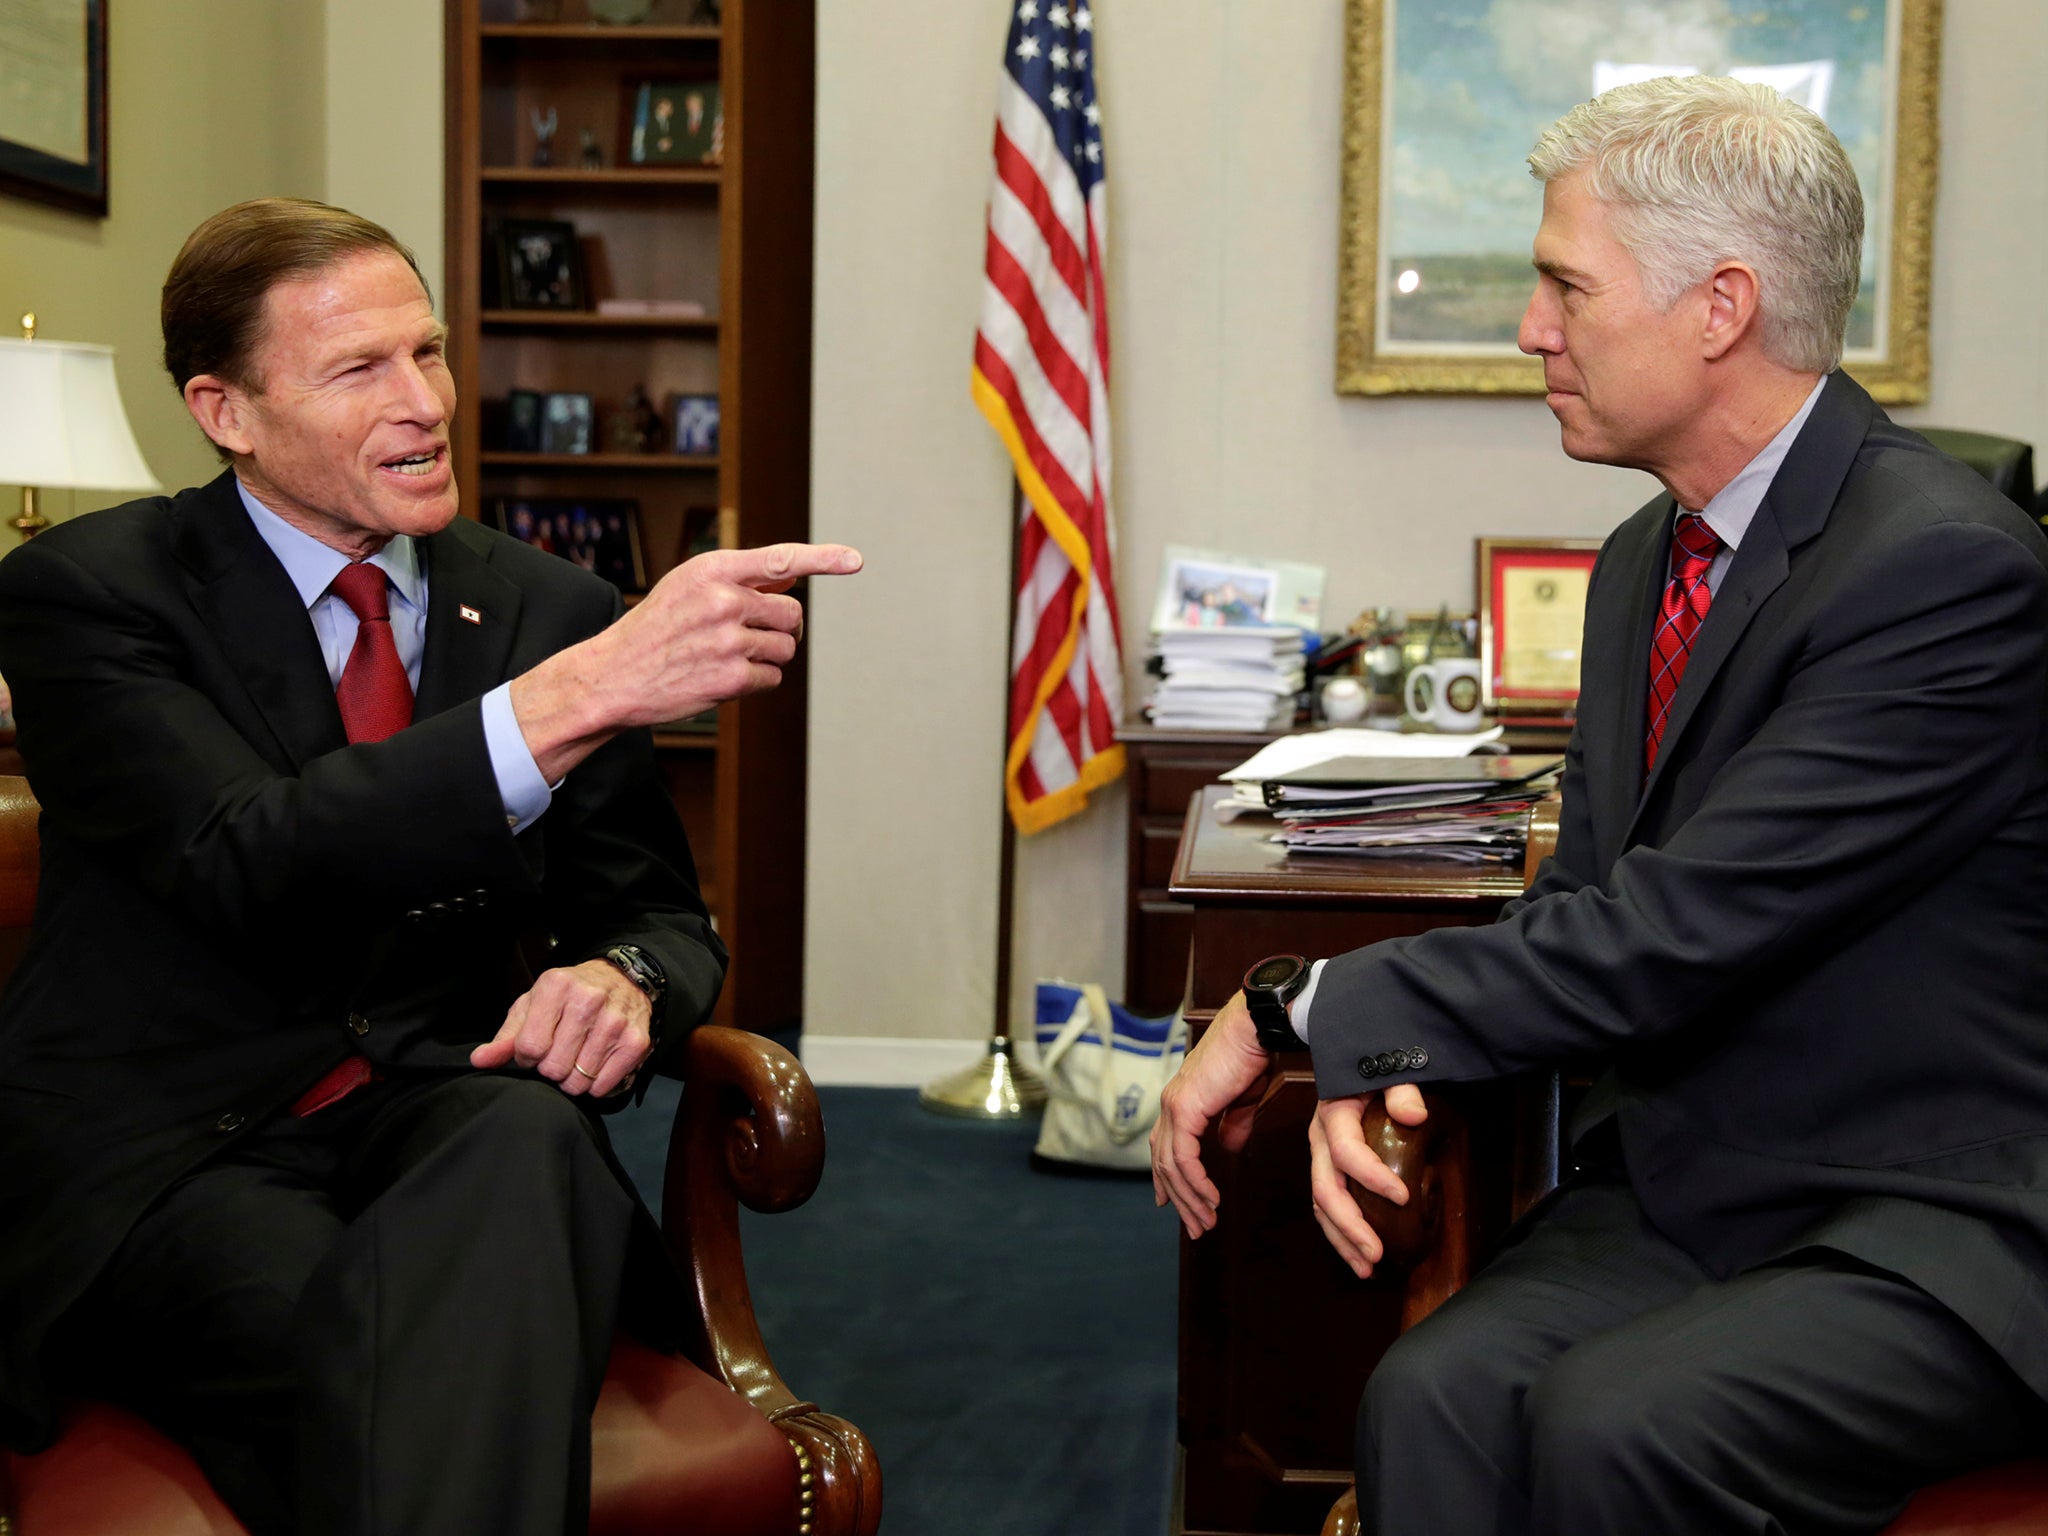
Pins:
<point x="1269" y="987"/>
<point x="645" y="972"/>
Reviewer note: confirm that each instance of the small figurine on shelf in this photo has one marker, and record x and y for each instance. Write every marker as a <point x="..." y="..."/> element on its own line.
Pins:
<point x="544" y="126"/>
<point x="593" y="155"/>
<point x="636" y="426"/>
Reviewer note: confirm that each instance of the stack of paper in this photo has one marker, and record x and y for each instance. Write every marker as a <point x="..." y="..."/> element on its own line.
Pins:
<point x="1230" y="679"/>
<point x="1465" y="811"/>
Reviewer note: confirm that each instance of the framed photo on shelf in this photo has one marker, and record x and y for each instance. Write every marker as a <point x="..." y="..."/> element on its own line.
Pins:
<point x="677" y="122"/>
<point x="567" y="421"/>
<point x="53" y="114"/>
<point x="523" y="410"/>
<point x="601" y="535"/>
<point x="1532" y="620"/>
<point x="1203" y="589"/>
<point x="695" y="420"/>
<point x="540" y="265"/>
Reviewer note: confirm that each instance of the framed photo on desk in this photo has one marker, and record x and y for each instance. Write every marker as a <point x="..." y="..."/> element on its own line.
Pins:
<point x="1532" y="621"/>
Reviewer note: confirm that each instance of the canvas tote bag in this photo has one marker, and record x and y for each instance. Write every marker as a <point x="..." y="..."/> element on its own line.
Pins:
<point x="1103" y="1068"/>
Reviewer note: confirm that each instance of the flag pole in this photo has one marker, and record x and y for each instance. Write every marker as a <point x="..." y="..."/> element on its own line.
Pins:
<point x="997" y="1087"/>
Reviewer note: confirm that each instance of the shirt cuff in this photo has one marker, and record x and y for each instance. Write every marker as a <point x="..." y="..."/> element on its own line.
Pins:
<point x="525" y="793"/>
<point x="1297" y="1011"/>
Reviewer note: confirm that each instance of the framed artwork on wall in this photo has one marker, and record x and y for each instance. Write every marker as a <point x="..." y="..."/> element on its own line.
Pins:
<point x="53" y="111"/>
<point x="1444" y="100"/>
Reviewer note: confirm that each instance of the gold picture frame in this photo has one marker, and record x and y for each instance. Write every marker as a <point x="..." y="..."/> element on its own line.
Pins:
<point x="1417" y="349"/>
<point x="1532" y="621"/>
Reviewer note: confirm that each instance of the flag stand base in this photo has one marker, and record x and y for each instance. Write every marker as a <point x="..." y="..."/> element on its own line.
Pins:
<point x="997" y="1087"/>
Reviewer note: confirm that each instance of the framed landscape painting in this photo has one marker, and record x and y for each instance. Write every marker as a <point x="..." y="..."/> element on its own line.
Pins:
<point x="1445" y="98"/>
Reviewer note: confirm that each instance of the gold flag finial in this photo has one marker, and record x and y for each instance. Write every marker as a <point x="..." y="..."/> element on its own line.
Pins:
<point x="28" y="325"/>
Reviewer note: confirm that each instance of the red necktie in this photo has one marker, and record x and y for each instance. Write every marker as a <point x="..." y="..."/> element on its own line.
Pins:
<point x="1686" y="599"/>
<point x="374" y="694"/>
<point x="376" y="701"/>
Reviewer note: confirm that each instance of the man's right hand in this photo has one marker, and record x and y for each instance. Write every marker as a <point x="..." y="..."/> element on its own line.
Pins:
<point x="717" y="627"/>
<point x="1338" y="1153"/>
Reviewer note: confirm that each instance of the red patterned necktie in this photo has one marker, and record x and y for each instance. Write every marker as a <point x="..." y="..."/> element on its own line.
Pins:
<point x="375" y="697"/>
<point x="374" y="693"/>
<point x="1686" y="599"/>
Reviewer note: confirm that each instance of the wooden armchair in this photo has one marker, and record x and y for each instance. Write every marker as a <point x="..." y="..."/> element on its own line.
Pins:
<point x="1430" y="1241"/>
<point x="713" y="1441"/>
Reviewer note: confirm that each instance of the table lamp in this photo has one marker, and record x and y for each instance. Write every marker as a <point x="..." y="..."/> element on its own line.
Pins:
<point x="61" y="423"/>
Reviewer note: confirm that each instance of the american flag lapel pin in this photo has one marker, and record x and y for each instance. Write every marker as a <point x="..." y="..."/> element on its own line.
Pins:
<point x="468" y="614"/>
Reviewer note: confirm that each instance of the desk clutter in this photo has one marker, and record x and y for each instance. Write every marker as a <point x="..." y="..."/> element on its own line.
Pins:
<point x="1244" y="679"/>
<point x="1339" y="792"/>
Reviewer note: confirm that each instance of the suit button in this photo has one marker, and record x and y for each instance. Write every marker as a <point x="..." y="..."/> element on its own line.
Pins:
<point x="358" y="1025"/>
<point x="437" y="909"/>
<point x="1390" y="1061"/>
<point x="481" y="898"/>
<point x="1418" y="1058"/>
<point x="1367" y="1067"/>
<point x="230" y="1122"/>
<point x="414" y="915"/>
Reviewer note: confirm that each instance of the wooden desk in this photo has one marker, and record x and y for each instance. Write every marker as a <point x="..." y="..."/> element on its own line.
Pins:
<point x="1165" y="768"/>
<point x="1276" y="1335"/>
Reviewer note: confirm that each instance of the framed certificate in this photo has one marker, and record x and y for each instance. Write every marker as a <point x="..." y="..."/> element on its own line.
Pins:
<point x="53" y="102"/>
<point x="1532" y="618"/>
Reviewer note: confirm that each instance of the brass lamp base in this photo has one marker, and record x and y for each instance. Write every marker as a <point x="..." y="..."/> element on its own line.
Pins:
<point x="995" y="1088"/>
<point x="31" y="522"/>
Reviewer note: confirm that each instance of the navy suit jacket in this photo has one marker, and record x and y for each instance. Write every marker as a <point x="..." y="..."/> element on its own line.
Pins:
<point x="1811" y="946"/>
<point x="233" y="898"/>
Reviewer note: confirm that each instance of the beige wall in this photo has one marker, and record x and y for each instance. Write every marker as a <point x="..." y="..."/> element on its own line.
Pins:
<point x="1222" y="138"/>
<point x="383" y="116"/>
<point x="207" y="104"/>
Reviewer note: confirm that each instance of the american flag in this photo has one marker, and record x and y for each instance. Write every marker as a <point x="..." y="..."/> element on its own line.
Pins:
<point x="1041" y="376"/>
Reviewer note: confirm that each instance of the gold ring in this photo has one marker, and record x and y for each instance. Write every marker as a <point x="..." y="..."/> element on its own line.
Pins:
<point x="578" y="1067"/>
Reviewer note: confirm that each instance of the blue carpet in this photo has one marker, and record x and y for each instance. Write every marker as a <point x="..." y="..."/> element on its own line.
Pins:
<point x="1004" y="1337"/>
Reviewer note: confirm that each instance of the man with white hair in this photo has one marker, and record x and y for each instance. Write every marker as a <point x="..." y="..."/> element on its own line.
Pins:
<point x="1795" y="916"/>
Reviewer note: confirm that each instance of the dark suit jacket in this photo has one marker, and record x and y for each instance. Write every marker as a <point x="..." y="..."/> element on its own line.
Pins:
<point x="227" y="884"/>
<point x="1814" y="945"/>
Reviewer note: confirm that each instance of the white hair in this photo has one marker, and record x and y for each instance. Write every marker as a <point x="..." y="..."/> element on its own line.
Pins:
<point x="1699" y="170"/>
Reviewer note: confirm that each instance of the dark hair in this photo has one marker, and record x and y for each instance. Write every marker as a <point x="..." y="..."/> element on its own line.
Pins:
<point x="213" y="297"/>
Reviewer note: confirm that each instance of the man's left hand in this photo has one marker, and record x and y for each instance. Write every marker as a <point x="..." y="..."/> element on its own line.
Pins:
<point x="585" y="1028"/>
<point x="1219" y="1080"/>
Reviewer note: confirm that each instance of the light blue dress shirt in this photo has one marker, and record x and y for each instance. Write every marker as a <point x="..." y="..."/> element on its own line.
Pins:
<point x="1729" y="514"/>
<point x="312" y="567"/>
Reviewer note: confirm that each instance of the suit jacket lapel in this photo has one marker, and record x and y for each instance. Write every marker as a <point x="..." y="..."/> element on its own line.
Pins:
<point x="472" y="615"/>
<point x="266" y="637"/>
<point x="1794" y="510"/>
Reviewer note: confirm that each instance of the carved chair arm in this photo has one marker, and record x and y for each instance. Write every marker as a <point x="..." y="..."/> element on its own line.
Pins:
<point x="749" y="1130"/>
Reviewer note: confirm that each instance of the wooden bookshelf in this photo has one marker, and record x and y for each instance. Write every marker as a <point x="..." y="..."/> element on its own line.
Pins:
<point x="734" y="238"/>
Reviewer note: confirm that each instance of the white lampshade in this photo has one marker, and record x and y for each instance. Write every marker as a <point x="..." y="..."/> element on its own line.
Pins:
<point x="61" y="422"/>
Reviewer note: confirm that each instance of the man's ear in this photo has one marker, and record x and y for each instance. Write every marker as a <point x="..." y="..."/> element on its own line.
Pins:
<point x="220" y="408"/>
<point x="1732" y="299"/>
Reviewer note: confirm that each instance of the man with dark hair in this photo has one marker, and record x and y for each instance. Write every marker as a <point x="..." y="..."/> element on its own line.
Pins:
<point x="1800" y="1266"/>
<point x="287" y="1165"/>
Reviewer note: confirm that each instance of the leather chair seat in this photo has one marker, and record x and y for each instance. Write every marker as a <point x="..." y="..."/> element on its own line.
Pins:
<point x="2010" y="1499"/>
<point x="672" y="1450"/>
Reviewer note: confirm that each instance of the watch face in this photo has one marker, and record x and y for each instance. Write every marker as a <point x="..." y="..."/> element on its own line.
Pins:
<point x="1274" y="972"/>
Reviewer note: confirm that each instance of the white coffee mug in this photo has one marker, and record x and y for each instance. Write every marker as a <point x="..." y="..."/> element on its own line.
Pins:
<point x="1445" y="694"/>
